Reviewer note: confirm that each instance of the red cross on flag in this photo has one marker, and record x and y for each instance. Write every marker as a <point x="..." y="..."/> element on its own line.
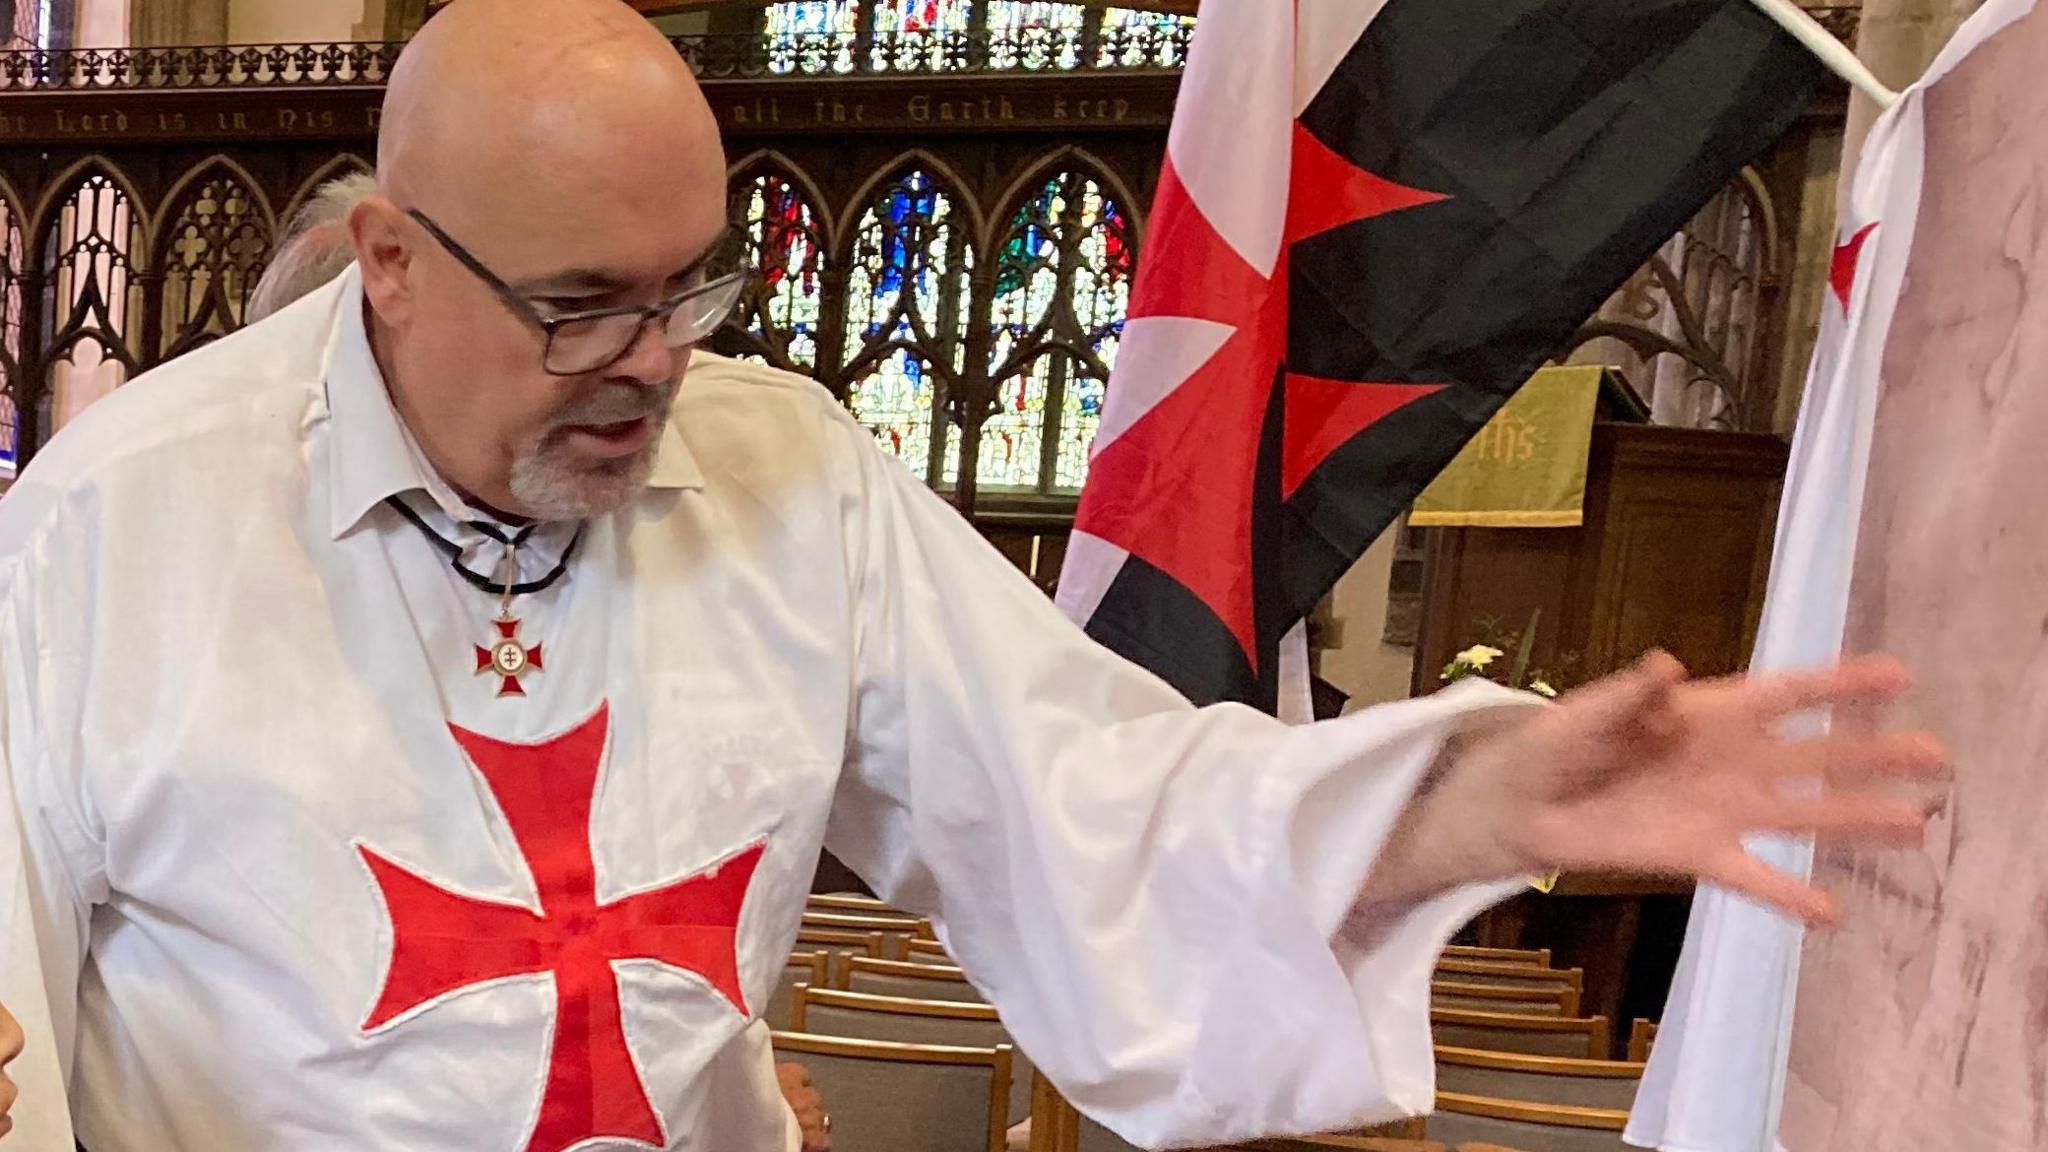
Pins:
<point x="1375" y="220"/>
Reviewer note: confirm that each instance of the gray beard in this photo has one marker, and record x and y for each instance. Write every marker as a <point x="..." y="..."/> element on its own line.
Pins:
<point x="553" y="486"/>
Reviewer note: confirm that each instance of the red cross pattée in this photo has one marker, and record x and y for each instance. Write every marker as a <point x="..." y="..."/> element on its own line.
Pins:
<point x="444" y="942"/>
<point x="1140" y="495"/>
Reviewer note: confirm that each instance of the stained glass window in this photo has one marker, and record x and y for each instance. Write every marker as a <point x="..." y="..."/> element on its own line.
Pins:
<point x="1135" y="39"/>
<point x="1063" y="283"/>
<point x="914" y="35"/>
<point x="782" y="308"/>
<point x="1035" y="34"/>
<point x="811" y="36"/>
<point x="12" y="258"/>
<point x="906" y="293"/>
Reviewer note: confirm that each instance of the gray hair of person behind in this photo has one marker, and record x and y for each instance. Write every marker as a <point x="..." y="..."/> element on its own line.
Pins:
<point x="315" y="247"/>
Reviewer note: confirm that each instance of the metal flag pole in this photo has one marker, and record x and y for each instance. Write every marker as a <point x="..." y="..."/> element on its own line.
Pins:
<point x="1832" y="52"/>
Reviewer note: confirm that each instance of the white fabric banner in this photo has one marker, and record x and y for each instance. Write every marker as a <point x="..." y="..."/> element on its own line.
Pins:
<point x="1716" y="1076"/>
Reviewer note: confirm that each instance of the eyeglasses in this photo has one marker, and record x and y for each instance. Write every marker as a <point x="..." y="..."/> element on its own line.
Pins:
<point x="593" y="340"/>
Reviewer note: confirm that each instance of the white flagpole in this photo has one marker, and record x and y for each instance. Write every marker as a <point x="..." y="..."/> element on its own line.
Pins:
<point x="1832" y="52"/>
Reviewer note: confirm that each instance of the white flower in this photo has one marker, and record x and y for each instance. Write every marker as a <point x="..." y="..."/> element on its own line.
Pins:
<point x="1542" y="688"/>
<point x="1478" y="656"/>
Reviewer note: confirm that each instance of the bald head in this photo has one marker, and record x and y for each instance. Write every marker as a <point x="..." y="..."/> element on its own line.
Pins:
<point x="583" y="95"/>
<point x="536" y="159"/>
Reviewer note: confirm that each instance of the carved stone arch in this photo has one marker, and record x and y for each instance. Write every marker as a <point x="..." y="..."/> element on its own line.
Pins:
<point x="59" y="192"/>
<point x="183" y="190"/>
<point x="909" y="368"/>
<point x="214" y="235"/>
<point x="1058" y="276"/>
<point x="943" y="175"/>
<point x="348" y="163"/>
<point x="14" y="262"/>
<point x="1070" y="158"/>
<point x="773" y="161"/>
<point x="786" y="318"/>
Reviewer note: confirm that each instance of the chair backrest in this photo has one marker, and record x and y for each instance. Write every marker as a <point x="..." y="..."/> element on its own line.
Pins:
<point x="1510" y="975"/>
<point x="1538" y="1079"/>
<point x="1538" y="957"/>
<point x="1057" y="1127"/>
<point x="955" y="1023"/>
<point x="1641" y="1035"/>
<point x="928" y="952"/>
<point x="1336" y="1142"/>
<point x="838" y="945"/>
<point x="911" y="981"/>
<point x="802" y="968"/>
<point x="1461" y="1119"/>
<point x="1585" y="1038"/>
<point x="1556" y="1000"/>
<point x="906" y="1097"/>
<point x="895" y="930"/>
<point x="847" y="903"/>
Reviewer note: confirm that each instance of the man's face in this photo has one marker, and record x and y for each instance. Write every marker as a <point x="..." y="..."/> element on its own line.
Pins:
<point x="513" y="423"/>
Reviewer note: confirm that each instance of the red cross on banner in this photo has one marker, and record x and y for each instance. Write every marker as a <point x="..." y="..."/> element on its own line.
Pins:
<point x="443" y="942"/>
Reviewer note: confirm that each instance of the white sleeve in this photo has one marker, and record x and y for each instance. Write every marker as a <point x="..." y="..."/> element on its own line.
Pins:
<point x="1159" y="899"/>
<point x="49" y="880"/>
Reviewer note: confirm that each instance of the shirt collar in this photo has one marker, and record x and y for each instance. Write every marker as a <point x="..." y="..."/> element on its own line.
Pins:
<point x="372" y="456"/>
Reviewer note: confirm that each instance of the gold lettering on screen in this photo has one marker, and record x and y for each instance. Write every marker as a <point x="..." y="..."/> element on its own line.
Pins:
<point x="969" y="110"/>
<point x="764" y="110"/>
<point x="90" y="124"/>
<point x="1105" y="108"/>
<point x="292" y="120"/>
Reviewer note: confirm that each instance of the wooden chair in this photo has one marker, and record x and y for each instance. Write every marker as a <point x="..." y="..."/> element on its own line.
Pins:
<point x="1510" y="975"/>
<point x="837" y="946"/>
<point x="907" y="1097"/>
<point x="802" y="968"/>
<point x="928" y="952"/>
<point x="954" y="1023"/>
<point x="1538" y="1079"/>
<point x="895" y="930"/>
<point x="1539" y="957"/>
<point x="910" y="981"/>
<point x="1557" y="1000"/>
<point x="1581" y="1038"/>
<point x="848" y="904"/>
<point x="1461" y="1119"/>
<point x="1056" y="1126"/>
<point x="1336" y="1142"/>
<point x="1641" y="1035"/>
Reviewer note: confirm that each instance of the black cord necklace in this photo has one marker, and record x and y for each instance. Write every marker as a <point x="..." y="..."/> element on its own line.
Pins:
<point x="506" y="657"/>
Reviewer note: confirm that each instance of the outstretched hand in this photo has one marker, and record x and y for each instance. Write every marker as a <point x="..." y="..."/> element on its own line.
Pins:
<point x="1648" y="771"/>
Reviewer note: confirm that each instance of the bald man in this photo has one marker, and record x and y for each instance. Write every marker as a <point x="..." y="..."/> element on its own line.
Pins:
<point x="423" y="712"/>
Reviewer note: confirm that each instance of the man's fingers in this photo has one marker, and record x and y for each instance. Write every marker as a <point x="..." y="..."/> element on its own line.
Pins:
<point x="11" y="1039"/>
<point x="1869" y="680"/>
<point x="1748" y="876"/>
<point x="1864" y="759"/>
<point x="1626" y="697"/>
<point x="1850" y="817"/>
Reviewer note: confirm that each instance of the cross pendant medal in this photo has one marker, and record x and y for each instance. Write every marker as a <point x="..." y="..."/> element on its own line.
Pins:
<point x="507" y="658"/>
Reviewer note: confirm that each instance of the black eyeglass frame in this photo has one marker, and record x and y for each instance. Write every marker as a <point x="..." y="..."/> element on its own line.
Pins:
<point x="659" y="312"/>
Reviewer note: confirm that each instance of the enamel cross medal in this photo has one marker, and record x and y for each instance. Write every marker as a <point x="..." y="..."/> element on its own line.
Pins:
<point x="506" y="657"/>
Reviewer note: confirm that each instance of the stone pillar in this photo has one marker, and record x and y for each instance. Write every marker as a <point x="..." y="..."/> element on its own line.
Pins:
<point x="1898" y="39"/>
<point x="177" y="23"/>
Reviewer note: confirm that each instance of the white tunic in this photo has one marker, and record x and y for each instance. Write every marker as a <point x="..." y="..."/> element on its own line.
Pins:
<point x="282" y="871"/>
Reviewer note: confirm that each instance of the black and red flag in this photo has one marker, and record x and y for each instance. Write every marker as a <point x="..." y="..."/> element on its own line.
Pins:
<point x="1375" y="220"/>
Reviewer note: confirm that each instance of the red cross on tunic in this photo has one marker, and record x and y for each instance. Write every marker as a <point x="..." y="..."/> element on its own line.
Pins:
<point x="443" y="942"/>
